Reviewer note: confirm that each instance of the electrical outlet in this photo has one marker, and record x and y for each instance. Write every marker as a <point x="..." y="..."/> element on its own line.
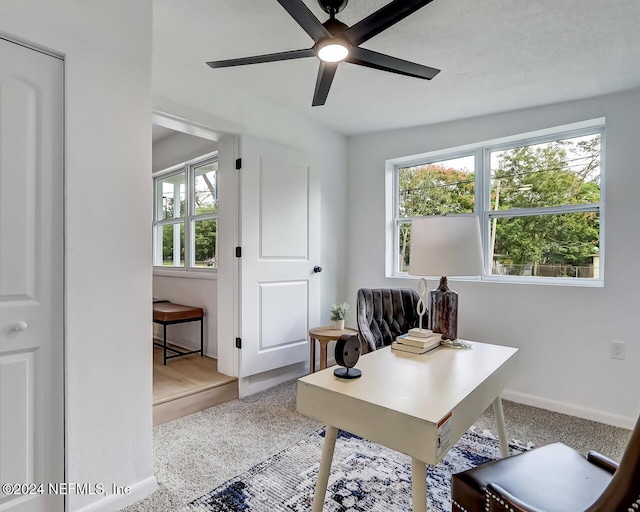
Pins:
<point x="616" y="349"/>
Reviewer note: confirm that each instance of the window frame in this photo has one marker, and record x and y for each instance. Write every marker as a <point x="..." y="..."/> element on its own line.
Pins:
<point x="189" y="219"/>
<point x="482" y="152"/>
<point x="431" y="158"/>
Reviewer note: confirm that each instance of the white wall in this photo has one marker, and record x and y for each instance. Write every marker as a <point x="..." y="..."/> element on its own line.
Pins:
<point x="210" y="102"/>
<point x="107" y="46"/>
<point x="562" y="332"/>
<point x="177" y="148"/>
<point x="202" y="293"/>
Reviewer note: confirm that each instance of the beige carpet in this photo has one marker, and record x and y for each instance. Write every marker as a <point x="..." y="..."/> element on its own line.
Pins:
<point x="194" y="454"/>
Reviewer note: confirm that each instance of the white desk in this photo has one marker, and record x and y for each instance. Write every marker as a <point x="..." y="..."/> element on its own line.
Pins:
<point x="408" y="402"/>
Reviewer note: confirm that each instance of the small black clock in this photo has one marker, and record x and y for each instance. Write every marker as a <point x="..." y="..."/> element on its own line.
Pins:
<point x="347" y="355"/>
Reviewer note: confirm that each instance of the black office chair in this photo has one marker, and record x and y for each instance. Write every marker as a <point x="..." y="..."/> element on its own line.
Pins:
<point x="552" y="478"/>
<point x="385" y="313"/>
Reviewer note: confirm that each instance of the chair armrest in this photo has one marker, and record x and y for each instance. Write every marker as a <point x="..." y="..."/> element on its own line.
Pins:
<point x="499" y="500"/>
<point x="365" y="348"/>
<point x="603" y="462"/>
<point x="366" y="336"/>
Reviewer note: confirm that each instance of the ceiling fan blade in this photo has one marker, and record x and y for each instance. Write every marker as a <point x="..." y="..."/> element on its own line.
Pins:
<point x="382" y="19"/>
<point x="305" y="18"/>
<point x="258" y="59"/>
<point x="384" y="62"/>
<point x="325" y="76"/>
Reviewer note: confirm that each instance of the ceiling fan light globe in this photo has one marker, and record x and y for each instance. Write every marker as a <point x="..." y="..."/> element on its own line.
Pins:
<point x="333" y="52"/>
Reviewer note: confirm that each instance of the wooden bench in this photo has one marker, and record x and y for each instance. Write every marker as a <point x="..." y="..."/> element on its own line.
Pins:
<point x="167" y="313"/>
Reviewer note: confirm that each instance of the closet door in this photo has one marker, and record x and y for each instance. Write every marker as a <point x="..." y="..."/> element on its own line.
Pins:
<point x="31" y="279"/>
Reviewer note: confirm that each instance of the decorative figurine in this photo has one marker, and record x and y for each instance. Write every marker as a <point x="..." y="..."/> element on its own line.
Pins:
<point x="421" y="309"/>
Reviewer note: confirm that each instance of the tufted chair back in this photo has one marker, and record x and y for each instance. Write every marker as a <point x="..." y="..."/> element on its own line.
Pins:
<point x="385" y="313"/>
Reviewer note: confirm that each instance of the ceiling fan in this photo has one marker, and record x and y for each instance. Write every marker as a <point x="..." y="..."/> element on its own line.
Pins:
<point x="336" y="42"/>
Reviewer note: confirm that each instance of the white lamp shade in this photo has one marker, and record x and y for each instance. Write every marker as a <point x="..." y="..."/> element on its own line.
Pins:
<point x="445" y="246"/>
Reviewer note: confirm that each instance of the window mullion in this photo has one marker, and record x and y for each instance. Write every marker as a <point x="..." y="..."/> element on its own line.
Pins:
<point x="205" y="216"/>
<point x="172" y="220"/>
<point x="188" y="228"/>
<point x="546" y="210"/>
<point x="483" y="191"/>
<point x="396" y="221"/>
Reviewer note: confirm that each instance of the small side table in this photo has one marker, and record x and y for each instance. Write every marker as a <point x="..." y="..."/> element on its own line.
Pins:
<point x="324" y="335"/>
<point x="167" y="313"/>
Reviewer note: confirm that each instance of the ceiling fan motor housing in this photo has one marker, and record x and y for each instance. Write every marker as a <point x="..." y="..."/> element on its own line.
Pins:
<point x="335" y="27"/>
<point x="333" y="7"/>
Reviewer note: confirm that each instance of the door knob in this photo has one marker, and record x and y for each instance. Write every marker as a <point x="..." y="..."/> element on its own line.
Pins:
<point x="317" y="269"/>
<point x="20" y="326"/>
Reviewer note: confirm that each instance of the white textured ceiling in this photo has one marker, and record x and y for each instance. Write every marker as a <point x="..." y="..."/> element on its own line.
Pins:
<point x="495" y="55"/>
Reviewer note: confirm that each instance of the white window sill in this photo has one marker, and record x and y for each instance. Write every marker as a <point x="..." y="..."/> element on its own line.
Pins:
<point x="186" y="274"/>
<point x="544" y="281"/>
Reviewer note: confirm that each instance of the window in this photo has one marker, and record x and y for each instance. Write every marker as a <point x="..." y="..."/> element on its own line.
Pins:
<point x="185" y="226"/>
<point x="539" y="201"/>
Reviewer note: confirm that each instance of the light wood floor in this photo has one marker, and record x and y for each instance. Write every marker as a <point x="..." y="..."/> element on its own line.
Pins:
<point x="188" y="384"/>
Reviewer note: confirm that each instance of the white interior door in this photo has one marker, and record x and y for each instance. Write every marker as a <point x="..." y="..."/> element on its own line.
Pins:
<point x="31" y="276"/>
<point x="280" y="233"/>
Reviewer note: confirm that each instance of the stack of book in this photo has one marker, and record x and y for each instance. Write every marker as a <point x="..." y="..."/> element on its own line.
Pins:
<point x="417" y="345"/>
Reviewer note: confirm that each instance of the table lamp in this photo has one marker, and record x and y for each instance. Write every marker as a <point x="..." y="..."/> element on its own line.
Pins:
<point x="445" y="246"/>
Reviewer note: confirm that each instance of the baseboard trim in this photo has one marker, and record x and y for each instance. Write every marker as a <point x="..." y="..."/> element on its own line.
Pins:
<point x="262" y="381"/>
<point x="187" y="345"/>
<point x="112" y="502"/>
<point x="586" y="413"/>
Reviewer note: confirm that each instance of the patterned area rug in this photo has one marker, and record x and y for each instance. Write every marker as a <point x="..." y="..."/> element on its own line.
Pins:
<point x="365" y="477"/>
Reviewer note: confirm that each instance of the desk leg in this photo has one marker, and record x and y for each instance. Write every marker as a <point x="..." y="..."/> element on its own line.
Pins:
<point x="331" y="433"/>
<point x="419" y="485"/>
<point x="500" y="426"/>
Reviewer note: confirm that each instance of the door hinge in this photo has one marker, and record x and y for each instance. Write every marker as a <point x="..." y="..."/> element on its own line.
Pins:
<point x="238" y="342"/>
<point x="238" y="164"/>
<point x="238" y="252"/>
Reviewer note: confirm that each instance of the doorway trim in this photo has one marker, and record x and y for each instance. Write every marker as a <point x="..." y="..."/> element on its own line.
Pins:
<point x="228" y="282"/>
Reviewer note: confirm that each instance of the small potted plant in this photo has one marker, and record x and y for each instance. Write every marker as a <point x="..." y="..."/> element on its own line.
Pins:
<point x="339" y="313"/>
